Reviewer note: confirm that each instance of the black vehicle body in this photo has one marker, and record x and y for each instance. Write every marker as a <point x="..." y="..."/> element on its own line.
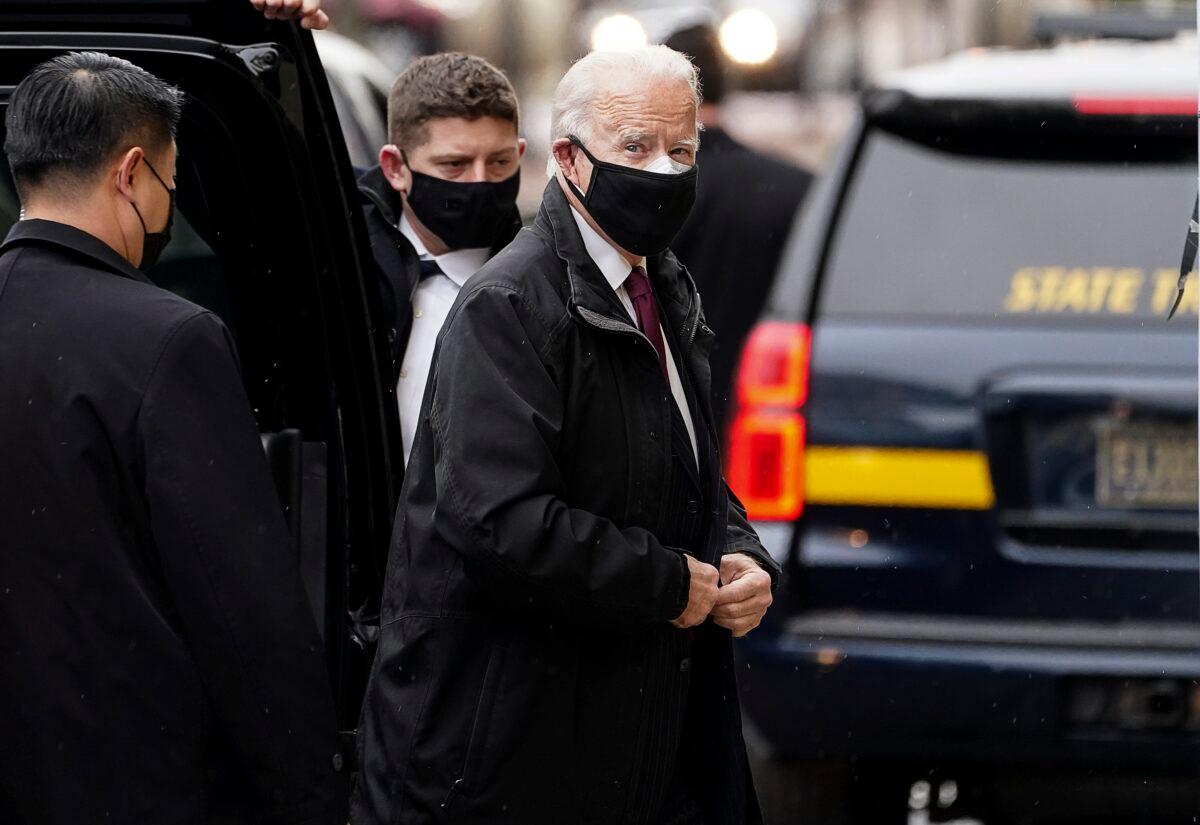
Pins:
<point x="269" y="236"/>
<point x="994" y="575"/>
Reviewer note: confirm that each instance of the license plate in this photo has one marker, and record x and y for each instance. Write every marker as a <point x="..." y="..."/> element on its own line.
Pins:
<point x="1144" y="465"/>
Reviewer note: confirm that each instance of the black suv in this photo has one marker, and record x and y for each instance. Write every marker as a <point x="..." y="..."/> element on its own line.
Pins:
<point x="969" y="432"/>
<point x="268" y="236"/>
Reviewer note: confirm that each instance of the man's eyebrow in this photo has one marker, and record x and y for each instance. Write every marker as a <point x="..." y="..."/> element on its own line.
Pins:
<point x="691" y="143"/>
<point x="449" y="156"/>
<point x="634" y="135"/>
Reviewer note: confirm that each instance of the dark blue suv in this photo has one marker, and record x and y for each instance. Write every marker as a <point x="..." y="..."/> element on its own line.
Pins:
<point x="969" y="432"/>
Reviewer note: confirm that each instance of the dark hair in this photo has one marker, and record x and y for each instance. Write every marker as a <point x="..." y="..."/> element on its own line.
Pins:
<point x="75" y="112"/>
<point x="699" y="43"/>
<point x="450" y="84"/>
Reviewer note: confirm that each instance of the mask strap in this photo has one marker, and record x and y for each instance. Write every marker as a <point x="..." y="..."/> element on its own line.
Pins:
<point x="157" y="177"/>
<point x="170" y="193"/>
<point x="595" y="165"/>
<point x="141" y="220"/>
<point x="575" y="140"/>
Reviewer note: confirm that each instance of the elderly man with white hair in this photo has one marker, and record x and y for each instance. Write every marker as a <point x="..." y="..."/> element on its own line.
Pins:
<point x="568" y="567"/>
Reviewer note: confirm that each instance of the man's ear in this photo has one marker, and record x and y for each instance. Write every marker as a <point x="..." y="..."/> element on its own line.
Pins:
<point x="521" y="145"/>
<point x="395" y="170"/>
<point x="565" y="156"/>
<point x="127" y="167"/>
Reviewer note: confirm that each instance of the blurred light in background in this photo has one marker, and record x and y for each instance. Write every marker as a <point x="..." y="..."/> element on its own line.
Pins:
<point x="749" y="37"/>
<point x="617" y="32"/>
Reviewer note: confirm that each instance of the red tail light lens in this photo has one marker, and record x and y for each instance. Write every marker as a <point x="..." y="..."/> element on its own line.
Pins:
<point x="774" y="366"/>
<point x="765" y="464"/>
<point x="1154" y="106"/>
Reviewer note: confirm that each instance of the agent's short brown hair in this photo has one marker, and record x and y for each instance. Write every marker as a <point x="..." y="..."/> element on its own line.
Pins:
<point x="450" y="84"/>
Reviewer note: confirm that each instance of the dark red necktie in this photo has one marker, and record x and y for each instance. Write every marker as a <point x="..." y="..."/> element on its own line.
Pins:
<point x="645" y="307"/>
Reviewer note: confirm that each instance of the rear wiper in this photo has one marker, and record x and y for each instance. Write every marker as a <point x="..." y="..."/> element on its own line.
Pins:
<point x="1189" y="257"/>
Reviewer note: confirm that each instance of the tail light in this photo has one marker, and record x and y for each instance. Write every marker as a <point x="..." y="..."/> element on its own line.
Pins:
<point x="1183" y="106"/>
<point x="765" y="465"/>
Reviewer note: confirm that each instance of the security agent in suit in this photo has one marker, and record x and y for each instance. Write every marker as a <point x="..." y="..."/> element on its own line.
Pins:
<point x="161" y="663"/>
<point x="745" y="205"/>
<point x="441" y="202"/>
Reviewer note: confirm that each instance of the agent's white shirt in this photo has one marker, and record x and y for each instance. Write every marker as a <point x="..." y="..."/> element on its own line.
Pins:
<point x="431" y="303"/>
<point x="615" y="270"/>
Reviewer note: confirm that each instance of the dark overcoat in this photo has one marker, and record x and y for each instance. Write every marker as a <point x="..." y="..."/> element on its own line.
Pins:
<point x="159" y="662"/>
<point x="527" y="670"/>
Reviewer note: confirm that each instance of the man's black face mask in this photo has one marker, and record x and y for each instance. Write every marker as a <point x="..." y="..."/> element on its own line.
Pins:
<point x="640" y="211"/>
<point x="153" y="243"/>
<point x="464" y="215"/>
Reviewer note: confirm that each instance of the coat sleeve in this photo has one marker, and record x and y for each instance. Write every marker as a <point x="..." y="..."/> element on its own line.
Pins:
<point x="740" y="537"/>
<point x="222" y="545"/>
<point x="496" y="415"/>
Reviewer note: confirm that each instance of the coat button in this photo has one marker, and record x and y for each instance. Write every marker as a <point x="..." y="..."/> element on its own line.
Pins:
<point x="693" y="507"/>
<point x="338" y="762"/>
<point x="685" y="665"/>
<point x="653" y="435"/>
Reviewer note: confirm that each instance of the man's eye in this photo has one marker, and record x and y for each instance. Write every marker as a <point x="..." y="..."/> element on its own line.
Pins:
<point x="633" y="147"/>
<point x="503" y="162"/>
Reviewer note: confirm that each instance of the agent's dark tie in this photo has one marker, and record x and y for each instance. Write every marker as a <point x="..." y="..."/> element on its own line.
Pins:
<point x="429" y="268"/>
<point x="645" y="307"/>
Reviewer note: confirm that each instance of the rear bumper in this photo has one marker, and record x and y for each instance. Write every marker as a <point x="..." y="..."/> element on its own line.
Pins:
<point x="933" y="690"/>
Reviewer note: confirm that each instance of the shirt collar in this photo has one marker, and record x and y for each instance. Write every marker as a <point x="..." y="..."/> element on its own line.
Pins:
<point x="458" y="264"/>
<point x="608" y="260"/>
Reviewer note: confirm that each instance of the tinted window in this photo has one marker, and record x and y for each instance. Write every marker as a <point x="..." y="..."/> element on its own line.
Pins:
<point x="929" y="233"/>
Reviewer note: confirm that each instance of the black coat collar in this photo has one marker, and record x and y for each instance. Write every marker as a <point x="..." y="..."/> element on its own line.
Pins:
<point x="69" y="238"/>
<point x="591" y="293"/>
<point x="373" y="186"/>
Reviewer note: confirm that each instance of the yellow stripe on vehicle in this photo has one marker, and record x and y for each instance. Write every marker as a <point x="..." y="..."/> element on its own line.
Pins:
<point x="941" y="479"/>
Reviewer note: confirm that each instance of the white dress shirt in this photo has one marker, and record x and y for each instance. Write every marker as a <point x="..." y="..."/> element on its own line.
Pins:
<point x="615" y="270"/>
<point x="431" y="303"/>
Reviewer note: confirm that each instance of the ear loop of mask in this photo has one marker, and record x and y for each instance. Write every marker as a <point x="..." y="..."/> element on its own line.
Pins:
<point x="157" y="177"/>
<point x="583" y="198"/>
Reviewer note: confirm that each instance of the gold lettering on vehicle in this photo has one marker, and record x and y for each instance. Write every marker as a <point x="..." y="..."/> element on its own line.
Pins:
<point x="1100" y="290"/>
<point x="1101" y="279"/>
<point x="1073" y="294"/>
<point x="1023" y="293"/>
<point x="1123" y="296"/>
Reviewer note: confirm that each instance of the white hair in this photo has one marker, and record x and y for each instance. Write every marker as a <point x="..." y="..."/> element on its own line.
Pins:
<point x="572" y="112"/>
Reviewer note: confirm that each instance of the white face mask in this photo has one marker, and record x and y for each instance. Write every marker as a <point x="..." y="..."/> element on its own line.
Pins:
<point x="666" y="165"/>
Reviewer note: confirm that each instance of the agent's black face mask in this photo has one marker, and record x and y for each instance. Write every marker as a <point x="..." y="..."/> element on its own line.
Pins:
<point x="640" y="211"/>
<point x="153" y="243"/>
<point x="464" y="215"/>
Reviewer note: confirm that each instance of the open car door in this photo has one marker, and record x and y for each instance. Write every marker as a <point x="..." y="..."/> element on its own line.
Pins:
<point x="268" y="236"/>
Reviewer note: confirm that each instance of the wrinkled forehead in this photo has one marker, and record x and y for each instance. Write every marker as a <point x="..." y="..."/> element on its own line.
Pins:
<point x="664" y="107"/>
